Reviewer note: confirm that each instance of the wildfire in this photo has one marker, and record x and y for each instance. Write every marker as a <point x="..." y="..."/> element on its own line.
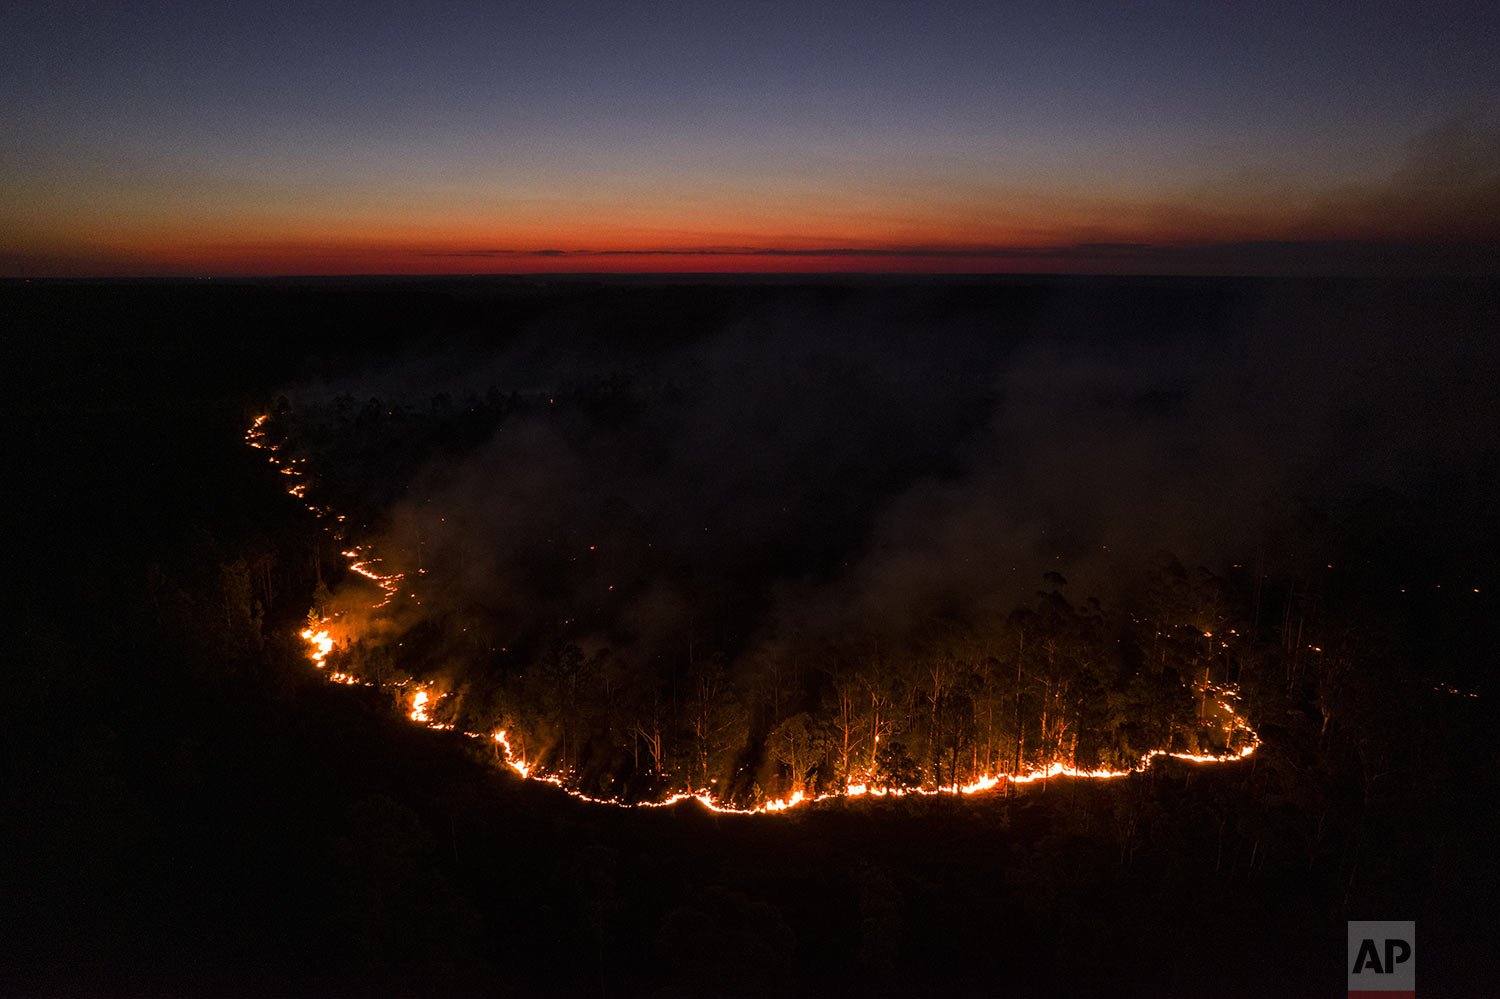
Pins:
<point x="527" y="771"/>
<point x="255" y="436"/>
<point x="360" y="561"/>
<point x="360" y="564"/>
<point x="322" y="644"/>
<point x="421" y="703"/>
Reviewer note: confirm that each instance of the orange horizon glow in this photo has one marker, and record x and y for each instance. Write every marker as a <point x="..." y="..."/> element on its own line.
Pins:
<point x="782" y="227"/>
<point x="788" y="224"/>
<point x="1112" y="253"/>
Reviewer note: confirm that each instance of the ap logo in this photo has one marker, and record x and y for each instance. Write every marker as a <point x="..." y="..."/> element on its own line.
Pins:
<point x="1382" y="960"/>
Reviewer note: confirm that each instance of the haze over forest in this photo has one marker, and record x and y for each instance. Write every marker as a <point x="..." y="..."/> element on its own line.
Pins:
<point x="762" y="502"/>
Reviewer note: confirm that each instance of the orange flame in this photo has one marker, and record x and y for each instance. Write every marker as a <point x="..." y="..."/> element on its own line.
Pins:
<point x="322" y="644"/>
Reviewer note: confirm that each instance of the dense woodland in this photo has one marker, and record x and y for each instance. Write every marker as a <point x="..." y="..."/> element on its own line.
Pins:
<point x="1042" y="682"/>
<point x="190" y="809"/>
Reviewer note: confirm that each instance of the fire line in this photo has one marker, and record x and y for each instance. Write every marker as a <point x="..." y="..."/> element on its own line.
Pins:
<point x="422" y="701"/>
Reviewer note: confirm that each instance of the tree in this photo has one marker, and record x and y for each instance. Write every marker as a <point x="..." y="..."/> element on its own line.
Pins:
<point x="713" y="720"/>
<point x="894" y="766"/>
<point x="846" y="694"/>
<point x="795" y="744"/>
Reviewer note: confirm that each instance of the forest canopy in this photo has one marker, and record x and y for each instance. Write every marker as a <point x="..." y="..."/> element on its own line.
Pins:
<point x="822" y="546"/>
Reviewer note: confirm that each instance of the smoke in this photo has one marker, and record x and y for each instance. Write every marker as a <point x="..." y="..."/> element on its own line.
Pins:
<point x="1447" y="188"/>
<point x="801" y="464"/>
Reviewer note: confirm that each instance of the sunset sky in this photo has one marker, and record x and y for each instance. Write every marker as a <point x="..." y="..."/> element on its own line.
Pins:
<point x="221" y="139"/>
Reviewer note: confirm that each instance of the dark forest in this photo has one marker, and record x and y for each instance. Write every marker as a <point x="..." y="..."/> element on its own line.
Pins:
<point x="750" y="538"/>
